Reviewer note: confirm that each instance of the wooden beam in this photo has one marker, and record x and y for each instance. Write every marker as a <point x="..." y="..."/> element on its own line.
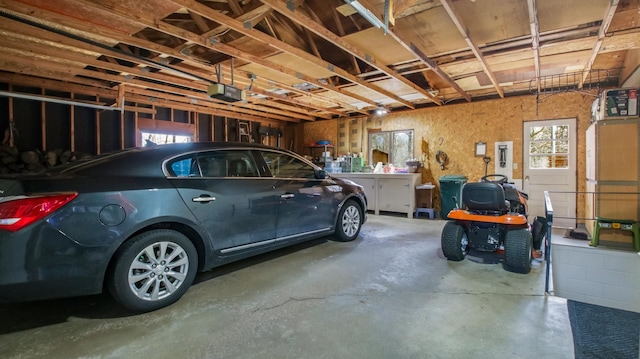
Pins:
<point x="400" y="6"/>
<point x="72" y="125"/>
<point x="203" y="101"/>
<point x="535" y="37"/>
<point x="120" y="100"/>
<point x="326" y="34"/>
<point x="293" y="100"/>
<point x="168" y="90"/>
<point x="422" y="57"/>
<point x="247" y="30"/>
<point x="200" y="23"/>
<point x="43" y="120"/>
<point x="52" y="51"/>
<point x="255" y="15"/>
<point x="169" y="29"/>
<point x="312" y="43"/>
<point x="164" y="51"/>
<point x="46" y="49"/>
<point x="11" y="120"/>
<point x="66" y="86"/>
<point x="464" y="31"/>
<point x="235" y="7"/>
<point x="602" y="32"/>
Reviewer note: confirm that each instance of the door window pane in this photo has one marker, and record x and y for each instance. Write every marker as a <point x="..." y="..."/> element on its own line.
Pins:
<point x="549" y="147"/>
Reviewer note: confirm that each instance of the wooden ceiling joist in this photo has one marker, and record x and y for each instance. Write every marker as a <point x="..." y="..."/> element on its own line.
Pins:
<point x="602" y="32"/>
<point x="229" y="50"/>
<point x="464" y="31"/>
<point x="535" y="38"/>
<point x="155" y="75"/>
<point x="326" y="34"/>
<point x="247" y="30"/>
<point x="305" y="60"/>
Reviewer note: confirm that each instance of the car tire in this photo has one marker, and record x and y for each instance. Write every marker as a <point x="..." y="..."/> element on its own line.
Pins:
<point x="349" y="221"/>
<point x="141" y="283"/>
<point x="517" y="251"/>
<point x="454" y="241"/>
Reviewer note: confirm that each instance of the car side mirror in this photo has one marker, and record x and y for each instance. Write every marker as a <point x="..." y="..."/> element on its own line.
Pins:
<point x="321" y="174"/>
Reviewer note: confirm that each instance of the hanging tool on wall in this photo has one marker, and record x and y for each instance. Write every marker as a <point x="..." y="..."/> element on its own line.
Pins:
<point x="442" y="159"/>
<point x="503" y="155"/>
<point x="486" y="160"/>
<point x="441" y="156"/>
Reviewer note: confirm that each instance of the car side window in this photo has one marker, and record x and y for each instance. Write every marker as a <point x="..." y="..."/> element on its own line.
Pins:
<point x="285" y="166"/>
<point x="180" y="167"/>
<point x="227" y="163"/>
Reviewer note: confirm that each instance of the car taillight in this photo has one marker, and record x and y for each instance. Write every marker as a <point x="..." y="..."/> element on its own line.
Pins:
<point x="19" y="213"/>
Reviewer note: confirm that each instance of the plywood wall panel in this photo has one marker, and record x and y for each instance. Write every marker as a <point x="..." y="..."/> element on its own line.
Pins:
<point x="455" y="128"/>
<point x="320" y="130"/>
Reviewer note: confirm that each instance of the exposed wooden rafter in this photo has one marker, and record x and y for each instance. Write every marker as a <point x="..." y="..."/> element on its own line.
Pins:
<point x="535" y="38"/>
<point x="247" y="30"/>
<point x="421" y="56"/>
<point x="306" y="60"/>
<point x="223" y="48"/>
<point x="602" y="32"/>
<point x="323" y="32"/>
<point x="464" y="31"/>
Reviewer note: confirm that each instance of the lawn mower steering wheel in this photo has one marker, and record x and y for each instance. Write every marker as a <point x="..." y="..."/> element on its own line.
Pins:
<point x="495" y="178"/>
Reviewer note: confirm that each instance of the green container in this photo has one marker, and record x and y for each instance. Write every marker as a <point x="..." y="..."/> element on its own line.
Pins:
<point x="451" y="193"/>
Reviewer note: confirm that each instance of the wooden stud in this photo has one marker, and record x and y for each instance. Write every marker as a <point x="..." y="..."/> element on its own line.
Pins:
<point x="98" y="142"/>
<point x="72" y="124"/>
<point x="43" y="121"/>
<point x="11" y="122"/>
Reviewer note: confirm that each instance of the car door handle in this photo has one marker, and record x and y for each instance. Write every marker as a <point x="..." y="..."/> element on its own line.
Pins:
<point x="287" y="195"/>
<point x="203" y="199"/>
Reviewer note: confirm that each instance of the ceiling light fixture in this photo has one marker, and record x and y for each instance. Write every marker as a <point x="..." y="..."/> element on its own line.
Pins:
<point x="381" y="111"/>
<point x="366" y="13"/>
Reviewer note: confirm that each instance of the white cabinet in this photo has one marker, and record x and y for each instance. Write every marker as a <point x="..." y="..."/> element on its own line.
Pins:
<point x="394" y="194"/>
<point x="370" y="188"/>
<point x="387" y="192"/>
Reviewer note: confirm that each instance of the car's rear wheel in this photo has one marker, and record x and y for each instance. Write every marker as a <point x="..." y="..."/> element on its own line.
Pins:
<point x="152" y="270"/>
<point x="517" y="251"/>
<point x="454" y="241"/>
<point x="349" y="221"/>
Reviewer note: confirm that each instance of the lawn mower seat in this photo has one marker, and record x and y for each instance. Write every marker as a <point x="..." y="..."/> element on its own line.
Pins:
<point x="484" y="197"/>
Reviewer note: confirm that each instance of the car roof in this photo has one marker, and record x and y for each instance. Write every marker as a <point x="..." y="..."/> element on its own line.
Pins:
<point x="145" y="161"/>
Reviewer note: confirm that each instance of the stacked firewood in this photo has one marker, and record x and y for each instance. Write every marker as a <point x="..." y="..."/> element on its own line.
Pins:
<point x="14" y="161"/>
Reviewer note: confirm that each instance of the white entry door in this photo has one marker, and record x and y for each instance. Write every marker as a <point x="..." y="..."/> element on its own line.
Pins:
<point x="549" y="164"/>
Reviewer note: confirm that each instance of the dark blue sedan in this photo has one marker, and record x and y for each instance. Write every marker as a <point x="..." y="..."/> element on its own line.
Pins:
<point x="141" y="222"/>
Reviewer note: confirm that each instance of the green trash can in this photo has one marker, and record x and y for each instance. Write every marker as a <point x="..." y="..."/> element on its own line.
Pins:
<point x="451" y="193"/>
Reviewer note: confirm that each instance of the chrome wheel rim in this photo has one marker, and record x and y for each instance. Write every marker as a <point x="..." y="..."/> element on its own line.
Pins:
<point x="464" y="242"/>
<point x="158" y="271"/>
<point x="350" y="221"/>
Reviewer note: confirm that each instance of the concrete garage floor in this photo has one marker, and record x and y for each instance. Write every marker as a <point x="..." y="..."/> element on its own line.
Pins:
<point x="389" y="294"/>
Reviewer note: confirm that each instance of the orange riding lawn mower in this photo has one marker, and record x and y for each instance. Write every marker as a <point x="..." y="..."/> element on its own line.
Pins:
<point x="492" y="218"/>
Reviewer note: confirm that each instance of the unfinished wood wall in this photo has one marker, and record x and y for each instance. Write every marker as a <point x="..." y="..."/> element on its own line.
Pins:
<point x="455" y="128"/>
<point x="43" y="126"/>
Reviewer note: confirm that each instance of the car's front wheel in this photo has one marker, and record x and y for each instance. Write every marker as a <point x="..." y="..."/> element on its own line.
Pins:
<point x="152" y="270"/>
<point x="349" y="221"/>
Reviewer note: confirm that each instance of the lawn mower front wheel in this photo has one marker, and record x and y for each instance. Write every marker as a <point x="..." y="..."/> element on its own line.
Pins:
<point x="454" y="241"/>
